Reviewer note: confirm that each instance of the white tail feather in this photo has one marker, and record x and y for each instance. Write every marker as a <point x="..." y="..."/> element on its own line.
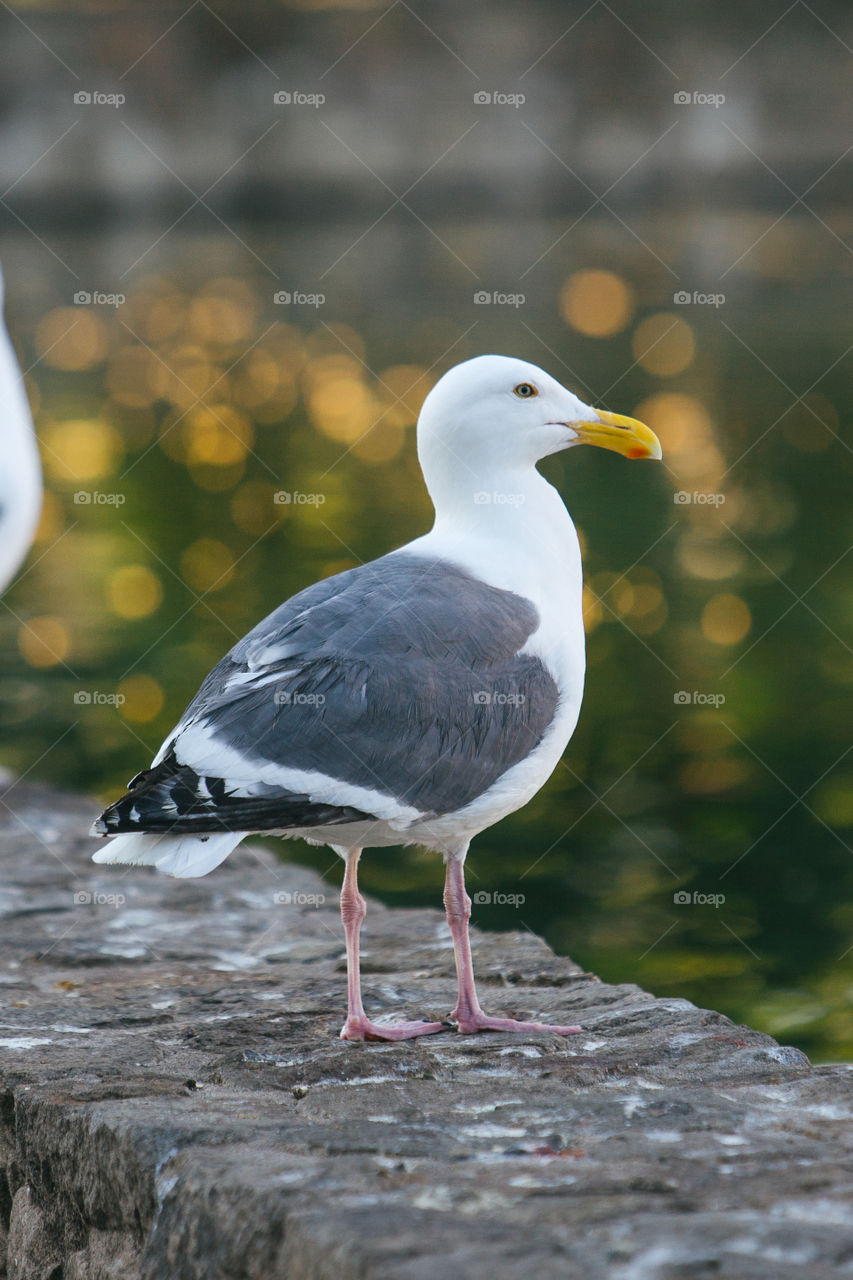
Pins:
<point x="183" y="856"/>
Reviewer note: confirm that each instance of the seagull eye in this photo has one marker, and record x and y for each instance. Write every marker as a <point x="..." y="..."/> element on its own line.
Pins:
<point x="525" y="390"/>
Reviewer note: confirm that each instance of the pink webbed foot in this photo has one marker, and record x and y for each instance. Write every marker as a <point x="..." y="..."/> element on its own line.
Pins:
<point x="479" y="1021"/>
<point x="363" y="1029"/>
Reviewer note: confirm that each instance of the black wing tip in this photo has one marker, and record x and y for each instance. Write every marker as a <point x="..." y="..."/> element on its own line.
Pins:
<point x="109" y="823"/>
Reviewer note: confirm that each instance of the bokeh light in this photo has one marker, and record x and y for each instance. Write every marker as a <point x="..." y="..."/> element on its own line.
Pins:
<point x="726" y="619"/>
<point x="134" y="591"/>
<point x="44" y="641"/>
<point x="663" y="344"/>
<point x="596" y="303"/>
<point x="142" y="698"/>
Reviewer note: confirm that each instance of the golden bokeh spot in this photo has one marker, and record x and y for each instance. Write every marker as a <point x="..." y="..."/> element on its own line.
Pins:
<point x="592" y="610"/>
<point x="636" y="596"/>
<point x="81" y="449"/>
<point x="647" y="598"/>
<point x="663" y="344"/>
<point x="404" y="388"/>
<point x="650" y="621"/>
<point x="183" y="376"/>
<point x="726" y="620"/>
<point x="254" y="508"/>
<point x="143" y="698"/>
<point x="680" y="421"/>
<point x="286" y="345"/>
<point x="224" y="313"/>
<point x="766" y="504"/>
<point x="263" y="386"/>
<point x="336" y="339"/>
<point x="207" y="565"/>
<point x="596" y="303"/>
<point x="621" y="596"/>
<point x="165" y="318"/>
<point x="155" y="309"/>
<point x="220" y="436"/>
<point x="602" y="582"/>
<point x="684" y="428"/>
<point x="134" y="591"/>
<point x="329" y="367"/>
<point x="44" y="641"/>
<point x="704" y="556"/>
<point x="811" y="425"/>
<point x="130" y="377"/>
<point x="381" y="443"/>
<point x="342" y="408"/>
<point x="52" y="519"/>
<point x="71" y="338"/>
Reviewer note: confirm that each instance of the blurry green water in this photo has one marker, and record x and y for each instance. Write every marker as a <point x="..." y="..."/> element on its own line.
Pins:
<point x="746" y="792"/>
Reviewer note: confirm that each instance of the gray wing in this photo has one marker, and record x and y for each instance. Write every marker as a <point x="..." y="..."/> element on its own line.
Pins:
<point x="403" y="676"/>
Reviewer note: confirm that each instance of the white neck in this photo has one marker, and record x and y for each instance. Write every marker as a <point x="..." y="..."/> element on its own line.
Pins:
<point x="510" y="528"/>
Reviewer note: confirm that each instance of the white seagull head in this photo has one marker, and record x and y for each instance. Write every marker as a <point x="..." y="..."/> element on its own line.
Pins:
<point x="497" y="413"/>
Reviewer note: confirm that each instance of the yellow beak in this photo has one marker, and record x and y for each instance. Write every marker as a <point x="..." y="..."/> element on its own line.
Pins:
<point x="627" y="436"/>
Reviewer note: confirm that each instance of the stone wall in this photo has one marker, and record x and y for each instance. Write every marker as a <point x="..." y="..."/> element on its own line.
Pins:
<point x="176" y="1101"/>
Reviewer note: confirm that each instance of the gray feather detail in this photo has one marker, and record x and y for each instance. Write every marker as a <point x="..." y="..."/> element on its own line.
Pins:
<point x="403" y="675"/>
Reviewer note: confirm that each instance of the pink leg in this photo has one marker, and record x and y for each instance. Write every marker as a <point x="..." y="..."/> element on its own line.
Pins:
<point x="358" y="1026"/>
<point x="468" y="1015"/>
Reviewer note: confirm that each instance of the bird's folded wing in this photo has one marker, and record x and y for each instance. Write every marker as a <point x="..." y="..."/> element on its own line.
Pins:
<point x="395" y="690"/>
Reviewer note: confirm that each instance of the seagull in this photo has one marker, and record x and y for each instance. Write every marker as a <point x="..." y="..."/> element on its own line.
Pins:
<point x="20" y="472"/>
<point x="414" y="700"/>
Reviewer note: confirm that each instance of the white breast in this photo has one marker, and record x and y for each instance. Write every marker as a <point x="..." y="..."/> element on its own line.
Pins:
<point x="532" y="550"/>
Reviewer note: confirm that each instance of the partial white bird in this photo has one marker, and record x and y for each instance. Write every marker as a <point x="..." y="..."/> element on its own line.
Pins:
<point x="20" y="470"/>
<point x="417" y="699"/>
